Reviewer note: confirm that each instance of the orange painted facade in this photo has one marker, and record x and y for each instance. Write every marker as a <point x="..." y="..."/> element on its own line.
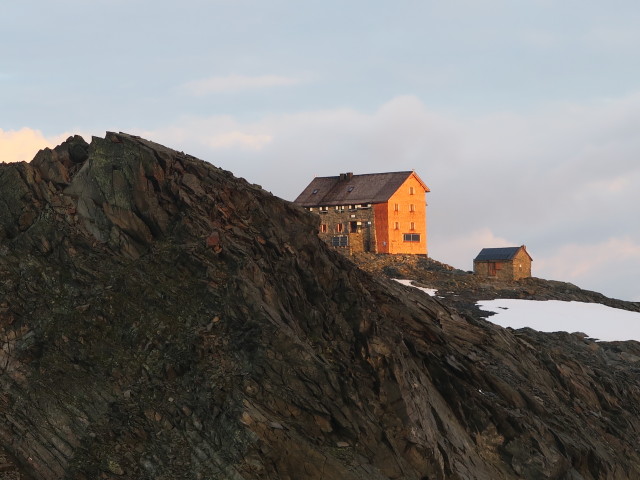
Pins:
<point x="381" y="214"/>
<point x="372" y="212"/>
<point x="401" y="223"/>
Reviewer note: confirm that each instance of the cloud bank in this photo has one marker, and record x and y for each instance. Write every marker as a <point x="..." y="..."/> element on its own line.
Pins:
<point x="22" y="145"/>
<point x="236" y="83"/>
<point x="560" y="179"/>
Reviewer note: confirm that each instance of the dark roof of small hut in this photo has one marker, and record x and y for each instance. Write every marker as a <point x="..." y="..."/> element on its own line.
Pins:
<point x="494" y="254"/>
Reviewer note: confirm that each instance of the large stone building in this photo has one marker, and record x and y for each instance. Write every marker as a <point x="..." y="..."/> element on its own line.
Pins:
<point x="375" y="212"/>
<point x="507" y="263"/>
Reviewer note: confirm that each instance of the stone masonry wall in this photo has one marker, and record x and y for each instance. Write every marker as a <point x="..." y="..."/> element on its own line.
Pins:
<point x="363" y="239"/>
<point x="521" y="265"/>
<point x="503" y="270"/>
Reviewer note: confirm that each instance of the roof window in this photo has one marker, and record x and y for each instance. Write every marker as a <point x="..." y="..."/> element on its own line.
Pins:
<point x="314" y="191"/>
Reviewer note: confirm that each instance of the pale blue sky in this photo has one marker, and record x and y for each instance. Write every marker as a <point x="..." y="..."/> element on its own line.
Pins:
<point x="86" y="63"/>
<point x="522" y="116"/>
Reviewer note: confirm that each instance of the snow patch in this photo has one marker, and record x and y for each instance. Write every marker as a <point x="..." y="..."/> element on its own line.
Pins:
<point x="596" y="320"/>
<point x="429" y="291"/>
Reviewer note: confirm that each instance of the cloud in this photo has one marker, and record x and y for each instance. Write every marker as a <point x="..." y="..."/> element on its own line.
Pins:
<point x="609" y="266"/>
<point x="235" y="139"/>
<point x="573" y="261"/>
<point x="208" y="136"/>
<point x="236" y="83"/>
<point x="23" y="144"/>
<point x="560" y="175"/>
<point x="460" y="250"/>
<point x="618" y="37"/>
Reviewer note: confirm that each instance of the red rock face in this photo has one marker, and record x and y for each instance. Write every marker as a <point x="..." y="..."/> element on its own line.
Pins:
<point x="213" y="241"/>
<point x="160" y="318"/>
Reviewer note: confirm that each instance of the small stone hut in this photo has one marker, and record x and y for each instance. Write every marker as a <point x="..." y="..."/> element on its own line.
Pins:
<point x="507" y="263"/>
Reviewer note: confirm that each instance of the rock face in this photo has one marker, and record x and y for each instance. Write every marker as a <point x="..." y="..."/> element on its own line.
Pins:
<point x="161" y="319"/>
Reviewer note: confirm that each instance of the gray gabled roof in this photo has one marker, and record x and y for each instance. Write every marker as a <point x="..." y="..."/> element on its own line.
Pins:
<point x="493" y="254"/>
<point x="351" y="190"/>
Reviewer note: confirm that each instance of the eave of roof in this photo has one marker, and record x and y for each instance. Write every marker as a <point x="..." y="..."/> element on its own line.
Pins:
<point x="358" y="189"/>
<point x="424" y="185"/>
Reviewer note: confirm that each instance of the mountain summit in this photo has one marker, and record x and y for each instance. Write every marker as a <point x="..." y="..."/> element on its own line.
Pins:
<point x="162" y="319"/>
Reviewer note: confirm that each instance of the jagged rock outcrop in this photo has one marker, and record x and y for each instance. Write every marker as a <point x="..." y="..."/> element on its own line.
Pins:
<point x="162" y="319"/>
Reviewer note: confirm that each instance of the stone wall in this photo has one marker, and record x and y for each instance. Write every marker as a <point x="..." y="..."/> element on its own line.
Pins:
<point x="501" y="270"/>
<point x="521" y="265"/>
<point x="357" y="223"/>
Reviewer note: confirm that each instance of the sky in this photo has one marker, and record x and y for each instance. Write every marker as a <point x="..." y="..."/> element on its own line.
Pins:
<point x="522" y="117"/>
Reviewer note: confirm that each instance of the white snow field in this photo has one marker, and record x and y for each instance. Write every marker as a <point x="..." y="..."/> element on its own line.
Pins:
<point x="596" y="320"/>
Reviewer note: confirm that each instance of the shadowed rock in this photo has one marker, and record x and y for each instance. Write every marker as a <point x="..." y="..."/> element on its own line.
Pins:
<point x="160" y="318"/>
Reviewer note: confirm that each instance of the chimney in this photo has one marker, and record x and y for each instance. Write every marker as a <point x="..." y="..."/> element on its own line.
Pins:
<point x="346" y="176"/>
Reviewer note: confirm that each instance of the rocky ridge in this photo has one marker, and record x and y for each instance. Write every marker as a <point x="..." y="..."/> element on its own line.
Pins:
<point x="160" y="318"/>
<point x="462" y="289"/>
